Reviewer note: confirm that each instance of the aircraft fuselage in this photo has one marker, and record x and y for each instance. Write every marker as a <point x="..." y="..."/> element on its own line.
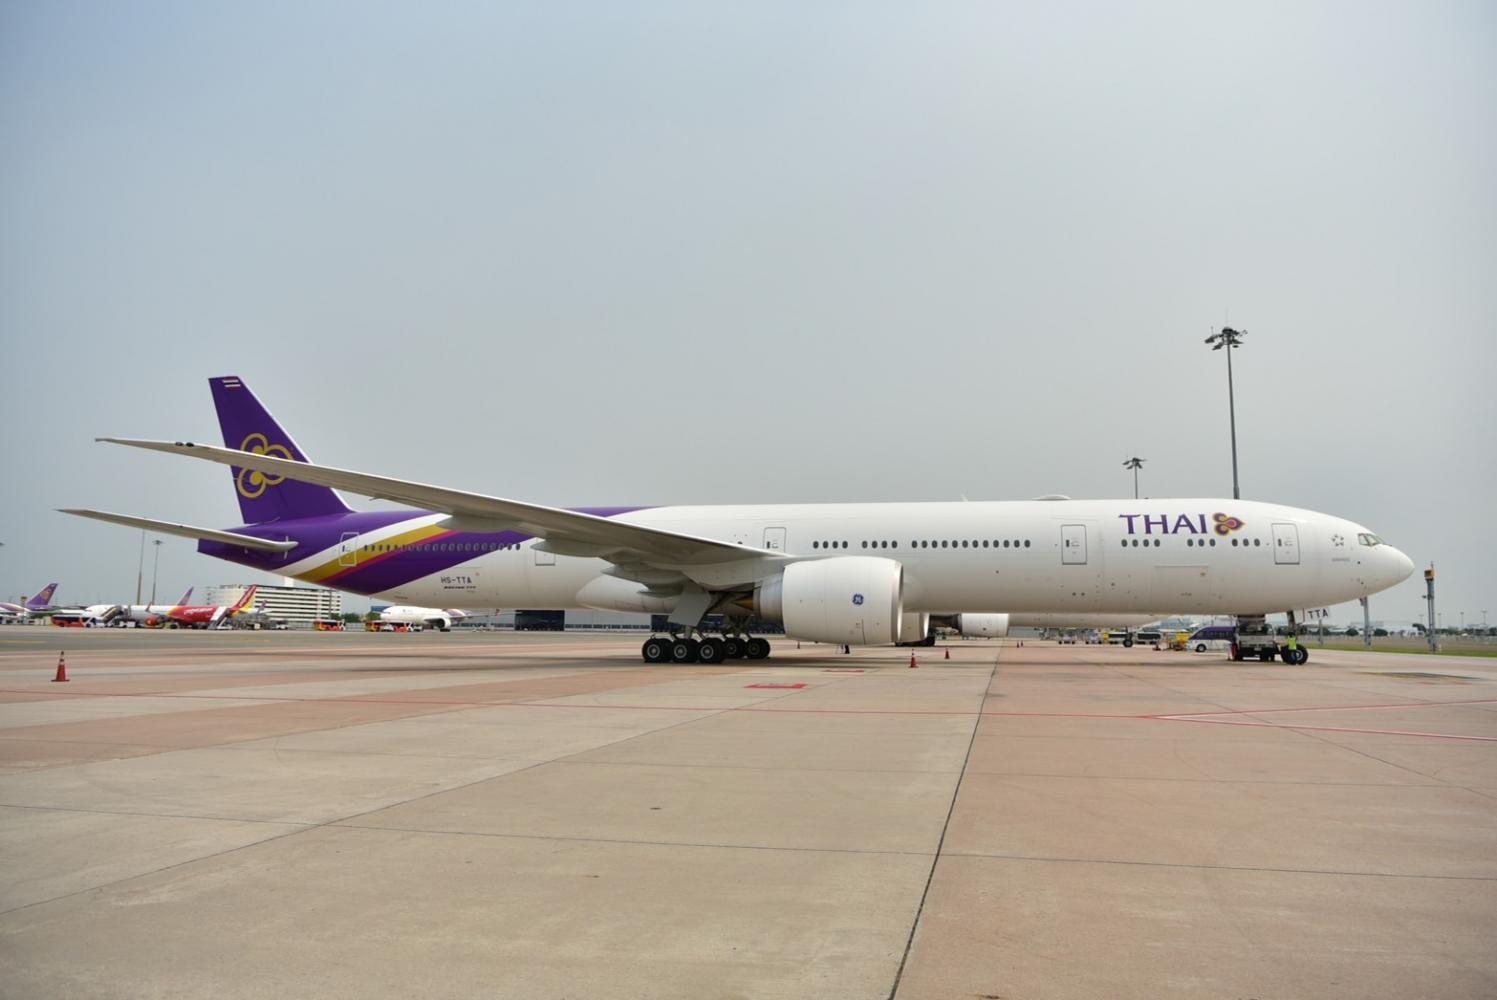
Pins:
<point x="1104" y="556"/>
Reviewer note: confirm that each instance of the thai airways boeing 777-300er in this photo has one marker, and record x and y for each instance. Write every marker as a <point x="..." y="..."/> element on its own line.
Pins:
<point x="846" y="573"/>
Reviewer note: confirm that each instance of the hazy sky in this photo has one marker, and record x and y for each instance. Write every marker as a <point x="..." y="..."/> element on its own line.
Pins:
<point x="654" y="253"/>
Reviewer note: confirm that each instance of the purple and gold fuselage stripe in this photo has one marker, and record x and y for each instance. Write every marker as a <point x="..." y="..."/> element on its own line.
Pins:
<point x="370" y="553"/>
<point x="414" y="553"/>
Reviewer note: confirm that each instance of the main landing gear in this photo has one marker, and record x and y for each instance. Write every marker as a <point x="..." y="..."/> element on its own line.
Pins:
<point x="706" y="649"/>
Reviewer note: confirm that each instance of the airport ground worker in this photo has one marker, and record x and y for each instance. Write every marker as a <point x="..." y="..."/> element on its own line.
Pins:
<point x="1293" y="648"/>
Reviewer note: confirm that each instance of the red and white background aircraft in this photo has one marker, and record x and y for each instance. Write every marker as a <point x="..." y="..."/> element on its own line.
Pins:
<point x="184" y="615"/>
<point x="854" y="573"/>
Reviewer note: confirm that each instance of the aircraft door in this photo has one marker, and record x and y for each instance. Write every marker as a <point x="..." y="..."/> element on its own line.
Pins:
<point x="1073" y="544"/>
<point x="774" y="539"/>
<point x="348" y="549"/>
<point x="1286" y="544"/>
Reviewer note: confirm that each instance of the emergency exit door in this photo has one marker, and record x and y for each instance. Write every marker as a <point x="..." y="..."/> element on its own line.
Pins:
<point x="774" y="539"/>
<point x="348" y="549"/>
<point x="1073" y="544"/>
<point x="1286" y="544"/>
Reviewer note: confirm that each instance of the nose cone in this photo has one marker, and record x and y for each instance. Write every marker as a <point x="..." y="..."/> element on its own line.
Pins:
<point x="1403" y="566"/>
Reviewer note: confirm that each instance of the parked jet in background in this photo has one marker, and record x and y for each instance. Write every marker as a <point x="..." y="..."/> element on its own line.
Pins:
<point x="437" y="618"/>
<point x="154" y="614"/>
<point x="208" y="615"/>
<point x="997" y="625"/>
<point x="38" y="605"/>
<point x="839" y="573"/>
<point x="93" y="616"/>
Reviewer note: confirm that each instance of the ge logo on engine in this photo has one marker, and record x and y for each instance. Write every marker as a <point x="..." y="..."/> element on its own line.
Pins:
<point x="857" y="598"/>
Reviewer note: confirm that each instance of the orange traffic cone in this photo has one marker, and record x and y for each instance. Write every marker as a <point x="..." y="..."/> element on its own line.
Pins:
<point x="913" y="664"/>
<point x="948" y="652"/>
<point x="62" y="668"/>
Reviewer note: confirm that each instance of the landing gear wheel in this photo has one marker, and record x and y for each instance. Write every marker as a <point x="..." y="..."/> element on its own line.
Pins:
<point x="732" y="647"/>
<point x="712" y="650"/>
<point x="1304" y="656"/>
<point x="1293" y="657"/>
<point x="656" y="650"/>
<point x="756" y="649"/>
<point x="684" y="651"/>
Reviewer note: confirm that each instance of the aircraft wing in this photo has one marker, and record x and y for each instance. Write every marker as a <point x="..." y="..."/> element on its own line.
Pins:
<point x="565" y="532"/>
<point x="185" y="531"/>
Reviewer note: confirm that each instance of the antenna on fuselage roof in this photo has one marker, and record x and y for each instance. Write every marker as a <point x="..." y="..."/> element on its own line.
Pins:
<point x="1053" y="496"/>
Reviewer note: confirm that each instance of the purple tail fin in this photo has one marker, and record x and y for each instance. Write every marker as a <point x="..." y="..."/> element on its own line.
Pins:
<point x="42" y="599"/>
<point x="248" y="427"/>
<point x="186" y="597"/>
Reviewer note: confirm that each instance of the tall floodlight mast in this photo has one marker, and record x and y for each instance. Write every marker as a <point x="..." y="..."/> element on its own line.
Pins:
<point x="1135" y="464"/>
<point x="1230" y="339"/>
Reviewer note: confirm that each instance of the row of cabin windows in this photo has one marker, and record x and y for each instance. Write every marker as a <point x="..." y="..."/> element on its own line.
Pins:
<point x="996" y="543"/>
<point x="437" y="547"/>
<point x="1202" y="542"/>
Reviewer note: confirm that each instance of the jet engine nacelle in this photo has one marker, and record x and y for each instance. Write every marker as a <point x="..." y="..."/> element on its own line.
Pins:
<point x="854" y="600"/>
<point x="914" y="629"/>
<point x="982" y="626"/>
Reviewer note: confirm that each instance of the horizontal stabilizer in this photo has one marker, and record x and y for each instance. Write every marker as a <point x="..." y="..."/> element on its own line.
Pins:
<point x="185" y="530"/>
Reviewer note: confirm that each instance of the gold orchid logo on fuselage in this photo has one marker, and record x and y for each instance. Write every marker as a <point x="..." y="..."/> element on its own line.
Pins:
<point x="251" y="483"/>
<point x="1226" y="524"/>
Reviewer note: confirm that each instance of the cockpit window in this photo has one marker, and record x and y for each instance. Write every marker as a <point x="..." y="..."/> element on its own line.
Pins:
<point x="1369" y="539"/>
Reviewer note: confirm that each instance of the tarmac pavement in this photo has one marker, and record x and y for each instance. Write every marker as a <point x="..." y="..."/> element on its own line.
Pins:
<point x="541" y="816"/>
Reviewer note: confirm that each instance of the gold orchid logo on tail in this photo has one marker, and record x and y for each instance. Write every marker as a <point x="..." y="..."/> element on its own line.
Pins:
<point x="251" y="483"/>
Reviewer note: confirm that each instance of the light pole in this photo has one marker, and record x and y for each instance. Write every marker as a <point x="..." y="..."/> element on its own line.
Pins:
<point x="1429" y="603"/>
<point x="155" y="564"/>
<point x="140" y="565"/>
<point x="1230" y="339"/>
<point x="1135" y="464"/>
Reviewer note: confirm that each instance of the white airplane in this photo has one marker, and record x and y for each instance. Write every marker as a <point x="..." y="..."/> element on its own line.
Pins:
<point x="997" y="625"/>
<point x="858" y="574"/>
<point x="437" y="618"/>
<point x="151" y="614"/>
<point x="93" y="616"/>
